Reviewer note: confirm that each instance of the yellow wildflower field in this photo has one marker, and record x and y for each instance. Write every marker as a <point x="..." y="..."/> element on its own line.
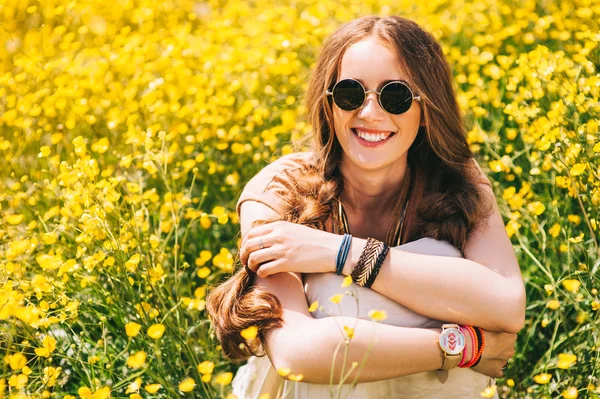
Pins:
<point x="129" y="128"/>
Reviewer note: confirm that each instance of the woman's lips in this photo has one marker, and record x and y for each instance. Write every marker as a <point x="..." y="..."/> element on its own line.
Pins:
<point x="371" y="144"/>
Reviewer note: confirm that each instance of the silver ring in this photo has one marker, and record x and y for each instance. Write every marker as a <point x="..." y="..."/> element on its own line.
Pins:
<point x="261" y="243"/>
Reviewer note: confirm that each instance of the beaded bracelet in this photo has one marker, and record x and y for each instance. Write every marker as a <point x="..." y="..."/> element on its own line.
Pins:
<point x="342" y="254"/>
<point x="475" y="341"/>
<point x="477" y="353"/>
<point x="367" y="261"/>
<point x="480" y="352"/>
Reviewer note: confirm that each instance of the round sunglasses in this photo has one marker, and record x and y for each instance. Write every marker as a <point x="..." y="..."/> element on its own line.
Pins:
<point x="395" y="97"/>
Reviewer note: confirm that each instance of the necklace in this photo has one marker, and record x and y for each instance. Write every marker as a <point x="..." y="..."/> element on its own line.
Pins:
<point x="394" y="236"/>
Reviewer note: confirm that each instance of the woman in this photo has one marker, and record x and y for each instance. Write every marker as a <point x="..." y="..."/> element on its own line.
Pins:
<point x="391" y="166"/>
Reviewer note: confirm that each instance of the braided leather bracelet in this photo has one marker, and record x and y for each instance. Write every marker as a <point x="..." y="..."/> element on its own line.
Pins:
<point x="378" y="264"/>
<point x="367" y="261"/>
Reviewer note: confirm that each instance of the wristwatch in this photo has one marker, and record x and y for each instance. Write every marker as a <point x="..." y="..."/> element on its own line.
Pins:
<point x="452" y="342"/>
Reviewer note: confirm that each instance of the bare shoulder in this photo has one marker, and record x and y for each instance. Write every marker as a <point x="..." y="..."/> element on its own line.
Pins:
<point x="478" y="174"/>
<point x="270" y="185"/>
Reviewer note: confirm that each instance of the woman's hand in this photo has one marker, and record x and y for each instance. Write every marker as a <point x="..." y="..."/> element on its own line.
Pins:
<point x="499" y="348"/>
<point x="289" y="247"/>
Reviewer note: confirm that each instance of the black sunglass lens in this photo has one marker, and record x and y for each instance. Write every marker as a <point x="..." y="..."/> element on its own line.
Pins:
<point x="396" y="98"/>
<point x="348" y="94"/>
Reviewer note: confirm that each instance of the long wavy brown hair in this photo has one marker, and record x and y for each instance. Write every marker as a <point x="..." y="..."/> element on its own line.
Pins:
<point x="448" y="210"/>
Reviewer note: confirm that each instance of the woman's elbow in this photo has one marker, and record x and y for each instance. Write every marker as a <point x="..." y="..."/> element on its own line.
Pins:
<point x="515" y="320"/>
<point x="292" y="365"/>
<point x="300" y="355"/>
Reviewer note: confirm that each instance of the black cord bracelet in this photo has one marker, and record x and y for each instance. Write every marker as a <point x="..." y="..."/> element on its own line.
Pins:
<point x="378" y="264"/>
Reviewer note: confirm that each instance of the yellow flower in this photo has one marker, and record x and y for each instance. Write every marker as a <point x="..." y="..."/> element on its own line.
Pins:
<point x="49" y="262"/>
<point x="224" y="378"/>
<point x="249" y="333"/>
<point x="284" y="371"/>
<point x="132" y="263"/>
<point x="135" y="396"/>
<point x="571" y="285"/>
<point x="349" y="332"/>
<point x="554" y="231"/>
<point x="134" y="386"/>
<point x="577" y="169"/>
<point x="296" y="377"/>
<point x="84" y="393"/>
<point x="553" y="304"/>
<point x="44" y="151"/>
<point x="347" y="281"/>
<point x="100" y="146"/>
<point x="156" y="331"/>
<point x="224" y="260"/>
<point x="578" y="239"/>
<point x="542" y="378"/>
<point x="203" y="272"/>
<point x="49" y="238"/>
<point x="510" y="382"/>
<point x="102" y="393"/>
<point x="19" y="381"/>
<point x="51" y="374"/>
<point x="512" y="227"/>
<point x="314" y="306"/>
<point x="206" y="367"/>
<point x="49" y="345"/>
<point x="154" y="241"/>
<point x="17" y="361"/>
<point x="545" y="322"/>
<point x="489" y="392"/>
<point x="570" y="393"/>
<point x="132" y="329"/>
<point x="378" y="315"/>
<point x="206" y="377"/>
<point x="536" y="208"/>
<point x="187" y="385"/>
<point x="152" y="388"/>
<point x="136" y="360"/>
<point x="14" y="219"/>
<point x="337" y="298"/>
<point x="595" y="305"/>
<point x="566" y="360"/>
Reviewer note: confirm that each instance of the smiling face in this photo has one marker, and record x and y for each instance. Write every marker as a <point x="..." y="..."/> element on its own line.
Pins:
<point x="372" y="63"/>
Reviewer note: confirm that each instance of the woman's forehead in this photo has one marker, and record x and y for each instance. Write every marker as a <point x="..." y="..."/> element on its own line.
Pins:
<point x="371" y="62"/>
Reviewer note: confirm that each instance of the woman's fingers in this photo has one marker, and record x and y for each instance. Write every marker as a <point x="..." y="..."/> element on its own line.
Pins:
<point x="260" y="257"/>
<point x="254" y="238"/>
<point x="266" y="269"/>
<point x="499" y="349"/>
<point x="261" y="230"/>
<point x="254" y="245"/>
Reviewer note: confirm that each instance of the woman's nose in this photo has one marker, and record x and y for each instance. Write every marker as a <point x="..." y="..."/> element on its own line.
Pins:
<point x="371" y="110"/>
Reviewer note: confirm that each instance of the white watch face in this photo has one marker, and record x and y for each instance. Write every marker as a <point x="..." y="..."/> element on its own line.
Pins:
<point x="452" y="341"/>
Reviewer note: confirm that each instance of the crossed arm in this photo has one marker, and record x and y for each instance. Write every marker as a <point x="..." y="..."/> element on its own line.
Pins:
<point x="483" y="289"/>
<point x="398" y="346"/>
<point x="397" y="351"/>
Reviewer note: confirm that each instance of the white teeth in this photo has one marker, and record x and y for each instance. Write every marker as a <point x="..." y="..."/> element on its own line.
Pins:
<point x="370" y="137"/>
